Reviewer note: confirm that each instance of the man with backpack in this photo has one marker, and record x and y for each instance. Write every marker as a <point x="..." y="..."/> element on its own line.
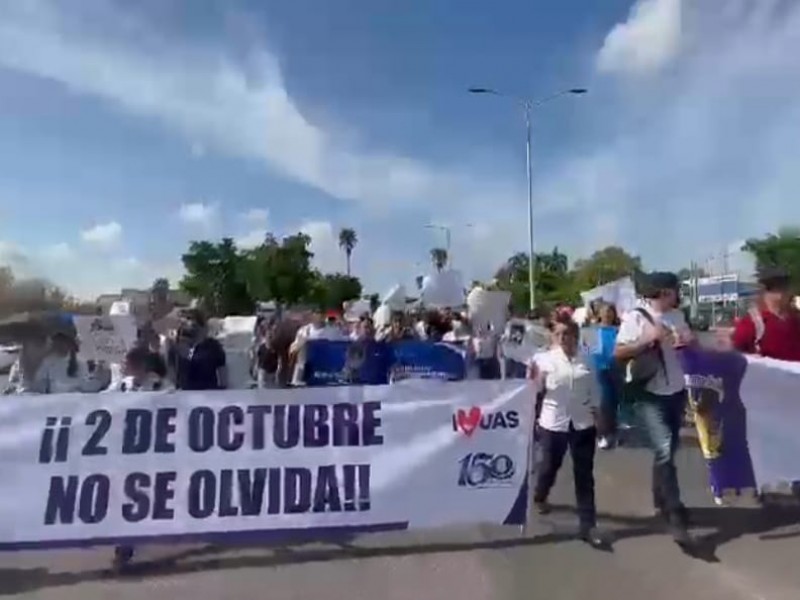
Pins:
<point x="771" y="327"/>
<point x="647" y="344"/>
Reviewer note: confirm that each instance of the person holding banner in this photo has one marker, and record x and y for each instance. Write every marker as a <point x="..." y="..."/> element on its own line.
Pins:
<point x="566" y="381"/>
<point x="198" y="361"/>
<point x="319" y="328"/>
<point x="771" y="328"/>
<point x="141" y="374"/>
<point x="647" y="344"/>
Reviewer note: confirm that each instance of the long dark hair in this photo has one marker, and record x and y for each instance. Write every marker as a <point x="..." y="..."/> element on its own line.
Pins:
<point x="72" y="365"/>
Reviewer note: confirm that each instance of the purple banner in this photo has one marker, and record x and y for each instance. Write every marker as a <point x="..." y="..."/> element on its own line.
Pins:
<point x="714" y="383"/>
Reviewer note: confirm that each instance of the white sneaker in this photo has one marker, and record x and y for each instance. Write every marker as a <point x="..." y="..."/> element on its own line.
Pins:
<point x="603" y="443"/>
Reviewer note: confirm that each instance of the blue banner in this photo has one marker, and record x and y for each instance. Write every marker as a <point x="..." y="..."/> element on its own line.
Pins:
<point x="376" y="363"/>
<point x="714" y="381"/>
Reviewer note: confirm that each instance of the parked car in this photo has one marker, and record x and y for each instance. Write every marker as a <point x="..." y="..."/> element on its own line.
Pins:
<point x="8" y="356"/>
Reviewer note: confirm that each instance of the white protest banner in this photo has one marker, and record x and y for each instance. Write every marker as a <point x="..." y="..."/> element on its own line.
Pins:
<point x="261" y="465"/>
<point x="105" y="338"/>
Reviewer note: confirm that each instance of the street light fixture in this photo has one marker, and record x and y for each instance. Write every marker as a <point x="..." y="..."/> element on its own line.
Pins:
<point x="448" y="230"/>
<point x="528" y="105"/>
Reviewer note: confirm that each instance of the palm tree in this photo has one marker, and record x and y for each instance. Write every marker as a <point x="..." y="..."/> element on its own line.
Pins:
<point x="347" y="242"/>
<point x="439" y="258"/>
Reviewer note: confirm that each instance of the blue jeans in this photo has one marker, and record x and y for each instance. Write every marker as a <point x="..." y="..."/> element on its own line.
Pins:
<point x="661" y="418"/>
<point x="610" y="390"/>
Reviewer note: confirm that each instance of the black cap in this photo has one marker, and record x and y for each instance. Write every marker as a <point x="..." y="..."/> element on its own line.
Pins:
<point x="773" y="278"/>
<point x="654" y="283"/>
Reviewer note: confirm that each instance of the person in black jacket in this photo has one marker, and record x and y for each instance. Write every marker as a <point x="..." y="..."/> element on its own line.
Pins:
<point x="198" y="360"/>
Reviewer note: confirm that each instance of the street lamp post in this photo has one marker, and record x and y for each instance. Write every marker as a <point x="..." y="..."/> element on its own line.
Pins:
<point x="447" y="236"/>
<point x="528" y="105"/>
<point x="448" y="231"/>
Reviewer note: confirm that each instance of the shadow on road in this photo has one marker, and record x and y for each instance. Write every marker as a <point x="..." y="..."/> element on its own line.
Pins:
<point x="726" y="525"/>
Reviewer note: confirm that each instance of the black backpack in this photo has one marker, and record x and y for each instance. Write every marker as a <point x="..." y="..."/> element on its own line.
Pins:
<point x="646" y="365"/>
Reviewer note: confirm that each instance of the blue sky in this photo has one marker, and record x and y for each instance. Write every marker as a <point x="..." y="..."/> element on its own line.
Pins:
<point x="129" y="129"/>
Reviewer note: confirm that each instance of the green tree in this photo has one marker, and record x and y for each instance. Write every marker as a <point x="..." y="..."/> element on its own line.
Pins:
<point x="779" y="250"/>
<point x="514" y="270"/>
<point x="281" y="270"/>
<point x="332" y="290"/>
<point x="439" y="258"/>
<point x="215" y="275"/>
<point x="554" y="262"/>
<point x="606" y="265"/>
<point x="554" y="282"/>
<point x="347" y="242"/>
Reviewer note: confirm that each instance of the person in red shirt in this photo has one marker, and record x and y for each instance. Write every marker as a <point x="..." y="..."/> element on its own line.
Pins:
<point x="772" y="327"/>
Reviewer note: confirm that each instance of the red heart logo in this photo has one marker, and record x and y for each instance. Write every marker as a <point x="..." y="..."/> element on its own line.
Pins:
<point x="468" y="421"/>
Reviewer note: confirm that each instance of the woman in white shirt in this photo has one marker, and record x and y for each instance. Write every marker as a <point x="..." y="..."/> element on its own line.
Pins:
<point x="62" y="372"/>
<point x="140" y="375"/>
<point x="484" y="346"/>
<point x="570" y="399"/>
<point x="22" y="376"/>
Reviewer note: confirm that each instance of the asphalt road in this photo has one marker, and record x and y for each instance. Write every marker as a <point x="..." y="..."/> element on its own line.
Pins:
<point x="746" y="554"/>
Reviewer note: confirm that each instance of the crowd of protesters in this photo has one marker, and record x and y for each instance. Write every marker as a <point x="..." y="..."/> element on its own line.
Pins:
<point x="578" y="389"/>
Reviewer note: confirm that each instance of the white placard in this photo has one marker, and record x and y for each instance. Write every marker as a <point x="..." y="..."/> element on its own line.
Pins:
<point x="621" y="293"/>
<point x="488" y="307"/>
<point x="116" y="468"/>
<point x="395" y="298"/>
<point x="522" y="339"/>
<point x="105" y="339"/>
<point x="444" y="289"/>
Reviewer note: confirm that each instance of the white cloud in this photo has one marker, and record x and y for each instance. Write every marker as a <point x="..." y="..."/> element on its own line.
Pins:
<point x="128" y="263"/>
<point x="251" y="239"/>
<point x="103" y="234"/>
<point x="691" y="157"/>
<point x="198" y="213"/>
<point x="673" y="165"/>
<point x="328" y="257"/>
<point x="648" y="41"/>
<point x="58" y="252"/>
<point x="103" y="275"/>
<point x="256" y="216"/>
<point x="13" y="256"/>
<point x="216" y="103"/>
<point x="99" y="273"/>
